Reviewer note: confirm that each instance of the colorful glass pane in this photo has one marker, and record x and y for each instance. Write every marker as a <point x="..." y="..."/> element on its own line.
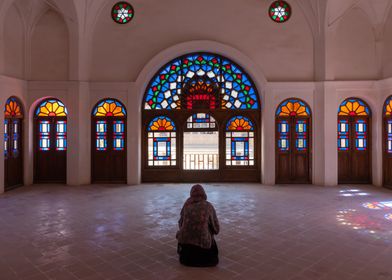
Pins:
<point x="343" y="135"/>
<point x="389" y="136"/>
<point x="388" y="107"/>
<point x="201" y="120"/>
<point x="61" y="136"/>
<point x="122" y="12"/>
<point x="12" y="108"/>
<point x="44" y="135"/>
<point x="6" y="137"/>
<point x="301" y="138"/>
<point x="293" y="107"/>
<point x="280" y="11"/>
<point x="237" y="91"/>
<point x="161" y="124"/>
<point x="51" y="108"/>
<point x="118" y="135"/>
<point x="109" y="108"/>
<point x="101" y="135"/>
<point x="283" y="138"/>
<point x="360" y="135"/>
<point x="353" y="107"/>
<point x="239" y="123"/>
<point x="240" y="148"/>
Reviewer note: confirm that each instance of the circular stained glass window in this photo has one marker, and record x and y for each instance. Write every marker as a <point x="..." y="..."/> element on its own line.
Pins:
<point x="280" y="11"/>
<point x="122" y="12"/>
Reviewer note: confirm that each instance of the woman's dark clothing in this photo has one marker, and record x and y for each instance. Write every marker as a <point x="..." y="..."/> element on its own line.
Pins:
<point x="191" y="255"/>
<point x="198" y="224"/>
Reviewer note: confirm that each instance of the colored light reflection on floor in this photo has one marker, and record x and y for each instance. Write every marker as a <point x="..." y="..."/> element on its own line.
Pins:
<point x="388" y="216"/>
<point x="384" y="205"/>
<point x="352" y="192"/>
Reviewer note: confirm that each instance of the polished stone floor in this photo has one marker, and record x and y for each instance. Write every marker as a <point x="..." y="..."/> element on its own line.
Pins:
<point x="127" y="232"/>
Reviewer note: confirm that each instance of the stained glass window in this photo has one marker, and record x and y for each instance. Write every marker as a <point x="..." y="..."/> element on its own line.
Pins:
<point x="280" y="11"/>
<point x="240" y="142"/>
<point x="118" y="135"/>
<point x="283" y="139"/>
<point x="353" y="107"/>
<point x="101" y="135"/>
<point x="109" y="108"/>
<point x="360" y="135"/>
<point x="44" y="135"/>
<point x="236" y="90"/>
<point x="162" y="149"/>
<point x="301" y="138"/>
<point x="388" y="107"/>
<point x="12" y="108"/>
<point x="6" y="137"/>
<point x="343" y="135"/>
<point x="51" y="108"/>
<point x="293" y="107"/>
<point x="61" y="136"/>
<point x="389" y="136"/>
<point x="201" y="120"/>
<point x="122" y="12"/>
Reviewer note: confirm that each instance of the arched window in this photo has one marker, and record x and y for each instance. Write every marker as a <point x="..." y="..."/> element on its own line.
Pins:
<point x="189" y="90"/>
<point x="13" y="144"/>
<point x="50" y="165"/>
<point x="162" y="142"/>
<point x="387" y="143"/>
<point x="109" y="161"/>
<point x="240" y="139"/>
<point x="354" y="141"/>
<point x="293" y="145"/>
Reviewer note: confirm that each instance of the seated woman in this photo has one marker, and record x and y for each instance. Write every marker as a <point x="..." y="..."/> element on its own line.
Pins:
<point x="198" y="225"/>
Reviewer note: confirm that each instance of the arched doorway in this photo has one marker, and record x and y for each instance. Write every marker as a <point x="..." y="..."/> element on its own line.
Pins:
<point x="197" y="95"/>
<point x="50" y="142"/>
<point x="354" y="142"/>
<point x="13" y="143"/>
<point x="109" y="147"/>
<point x="387" y="143"/>
<point x="293" y="150"/>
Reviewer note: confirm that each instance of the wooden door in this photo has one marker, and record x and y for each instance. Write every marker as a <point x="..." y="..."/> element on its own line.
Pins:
<point x="50" y="150"/>
<point x="354" y="154"/>
<point x="293" y="151"/>
<point x="387" y="148"/>
<point x="13" y="153"/>
<point x="109" y="152"/>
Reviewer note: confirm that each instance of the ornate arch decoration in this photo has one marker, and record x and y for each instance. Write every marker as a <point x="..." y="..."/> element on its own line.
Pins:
<point x="13" y="108"/>
<point x="354" y="107"/>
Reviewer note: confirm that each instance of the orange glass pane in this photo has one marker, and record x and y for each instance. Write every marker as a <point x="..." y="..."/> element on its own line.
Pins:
<point x="12" y="109"/>
<point x="51" y="108"/>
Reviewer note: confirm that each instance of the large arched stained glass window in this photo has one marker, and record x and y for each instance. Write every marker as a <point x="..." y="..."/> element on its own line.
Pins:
<point x="161" y="142"/>
<point x="240" y="142"/>
<point x="207" y="70"/>
<point x="199" y="92"/>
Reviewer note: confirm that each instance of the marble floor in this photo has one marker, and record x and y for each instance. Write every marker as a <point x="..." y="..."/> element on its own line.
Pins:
<point x="128" y="232"/>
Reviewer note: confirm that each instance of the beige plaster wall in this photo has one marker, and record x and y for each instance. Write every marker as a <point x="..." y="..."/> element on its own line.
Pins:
<point x="50" y="49"/>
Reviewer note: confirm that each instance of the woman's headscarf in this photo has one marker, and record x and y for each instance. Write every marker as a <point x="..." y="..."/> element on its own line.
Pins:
<point x="197" y="194"/>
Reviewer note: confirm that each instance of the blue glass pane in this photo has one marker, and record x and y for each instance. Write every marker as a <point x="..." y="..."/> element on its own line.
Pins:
<point x="118" y="135"/>
<point x="283" y="136"/>
<point x="101" y="135"/>
<point x="343" y="135"/>
<point x="44" y="133"/>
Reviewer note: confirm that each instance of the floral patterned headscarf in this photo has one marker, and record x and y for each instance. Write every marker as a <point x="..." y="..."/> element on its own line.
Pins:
<point x="197" y="194"/>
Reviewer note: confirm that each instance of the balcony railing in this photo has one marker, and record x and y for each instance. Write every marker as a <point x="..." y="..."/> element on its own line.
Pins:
<point x="201" y="161"/>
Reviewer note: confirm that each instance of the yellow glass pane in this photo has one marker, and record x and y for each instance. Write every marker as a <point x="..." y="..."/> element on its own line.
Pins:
<point x="296" y="106"/>
<point x="49" y="106"/>
<point x="101" y="112"/>
<point x="285" y="111"/>
<point x="290" y="106"/>
<point x="44" y="111"/>
<point x="118" y="112"/>
<point x="301" y="111"/>
<point x="356" y="105"/>
<point x="55" y="106"/>
<point x="360" y="110"/>
<point x="112" y="106"/>
<point x="106" y="107"/>
<point x="349" y="106"/>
